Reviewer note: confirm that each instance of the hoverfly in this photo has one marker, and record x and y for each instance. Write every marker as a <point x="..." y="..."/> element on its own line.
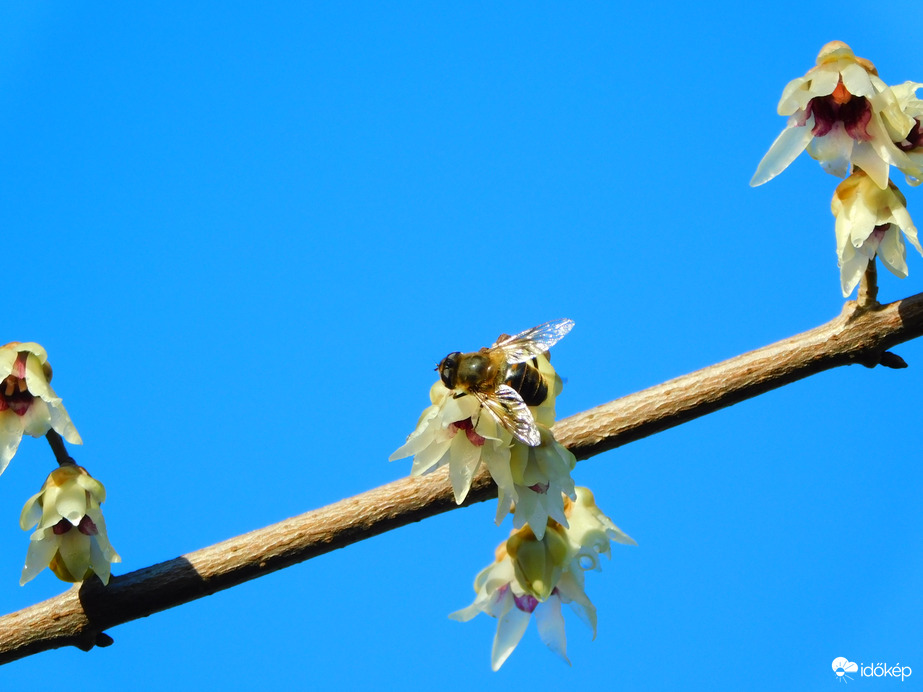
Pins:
<point x="500" y="378"/>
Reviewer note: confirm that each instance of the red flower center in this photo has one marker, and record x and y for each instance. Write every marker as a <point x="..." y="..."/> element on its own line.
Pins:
<point x="468" y="427"/>
<point x="854" y="112"/>
<point x="14" y="394"/>
<point x="86" y="527"/>
<point x="526" y="603"/>
<point x="914" y="138"/>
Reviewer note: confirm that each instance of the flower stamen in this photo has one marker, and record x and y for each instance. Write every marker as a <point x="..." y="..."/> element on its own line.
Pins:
<point x="841" y="94"/>
<point x="15" y="395"/>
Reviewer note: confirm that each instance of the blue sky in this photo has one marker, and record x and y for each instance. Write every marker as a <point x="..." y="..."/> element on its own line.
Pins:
<point x="245" y="234"/>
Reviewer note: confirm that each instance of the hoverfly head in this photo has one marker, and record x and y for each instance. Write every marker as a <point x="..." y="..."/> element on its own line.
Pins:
<point x="448" y="369"/>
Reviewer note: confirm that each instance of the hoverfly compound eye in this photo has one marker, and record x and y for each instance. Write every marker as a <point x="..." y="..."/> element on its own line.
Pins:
<point x="448" y="369"/>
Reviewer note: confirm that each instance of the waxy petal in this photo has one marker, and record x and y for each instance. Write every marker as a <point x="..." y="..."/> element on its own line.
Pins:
<point x="42" y="549"/>
<point x="31" y="513"/>
<point x="893" y="254"/>
<point x="857" y="81"/>
<point x="868" y="157"/>
<point x="74" y="551"/>
<point x="36" y="380"/>
<point x="465" y="460"/>
<point x="10" y="437"/>
<point x="570" y="587"/>
<point x="511" y="626"/>
<point x="550" y="624"/>
<point x="71" y="535"/>
<point x="833" y="151"/>
<point x="783" y="151"/>
<point x="71" y="503"/>
<point x="823" y="82"/>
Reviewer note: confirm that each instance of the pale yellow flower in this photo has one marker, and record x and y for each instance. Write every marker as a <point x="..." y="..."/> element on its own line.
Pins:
<point x="70" y="534"/>
<point x="912" y="142"/>
<point x="28" y="404"/>
<point x="455" y="432"/>
<point x="869" y="221"/>
<point x="541" y="480"/>
<point x="844" y="115"/>
<point x="534" y="576"/>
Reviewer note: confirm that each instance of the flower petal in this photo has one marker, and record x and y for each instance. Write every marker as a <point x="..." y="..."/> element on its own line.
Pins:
<point x="42" y="547"/>
<point x="71" y="503"/>
<point x="550" y="623"/>
<point x="783" y="151"/>
<point x="892" y="252"/>
<point x="31" y="513"/>
<point x="866" y="157"/>
<point x="465" y="459"/>
<point x="570" y="587"/>
<point x="10" y="437"/>
<point x="36" y="380"/>
<point x="36" y="421"/>
<point x="856" y="80"/>
<point x="833" y="151"/>
<point x="74" y="549"/>
<point x="511" y="626"/>
<point x="100" y="562"/>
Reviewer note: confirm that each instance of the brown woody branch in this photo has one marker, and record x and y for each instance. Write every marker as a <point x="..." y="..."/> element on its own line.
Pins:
<point x="79" y="616"/>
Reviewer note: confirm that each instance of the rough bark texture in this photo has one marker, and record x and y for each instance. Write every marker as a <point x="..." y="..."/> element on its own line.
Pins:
<point x="79" y="616"/>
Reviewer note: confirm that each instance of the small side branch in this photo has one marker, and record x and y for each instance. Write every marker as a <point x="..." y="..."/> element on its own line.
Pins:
<point x="79" y="616"/>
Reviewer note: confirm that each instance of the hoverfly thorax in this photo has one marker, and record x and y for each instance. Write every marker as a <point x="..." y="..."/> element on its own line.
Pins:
<point x="479" y="372"/>
<point x="474" y="372"/>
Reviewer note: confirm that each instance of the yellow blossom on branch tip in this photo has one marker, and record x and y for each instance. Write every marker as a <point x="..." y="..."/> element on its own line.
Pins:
<point x="28" y="404"/>
<point x="869" y="222"/>
<point x="844" y="115"/>
<point x="70" y="532"/>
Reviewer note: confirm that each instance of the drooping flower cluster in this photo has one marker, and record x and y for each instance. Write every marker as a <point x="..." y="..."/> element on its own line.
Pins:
<point x="458" y="431"/>
<point x="855" y="125"/>
<point x="869" y="221"/>
<point x="28" y="404"/>
<point x="70" y="533"/>
<point x="534" y="575"/>
<point x="844" y="115"/>
<point x="490" y="408"/>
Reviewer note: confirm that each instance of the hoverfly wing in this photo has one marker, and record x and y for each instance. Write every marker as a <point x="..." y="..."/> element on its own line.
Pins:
<point x="533" y="342"/>
<point x="510" y="411"/>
